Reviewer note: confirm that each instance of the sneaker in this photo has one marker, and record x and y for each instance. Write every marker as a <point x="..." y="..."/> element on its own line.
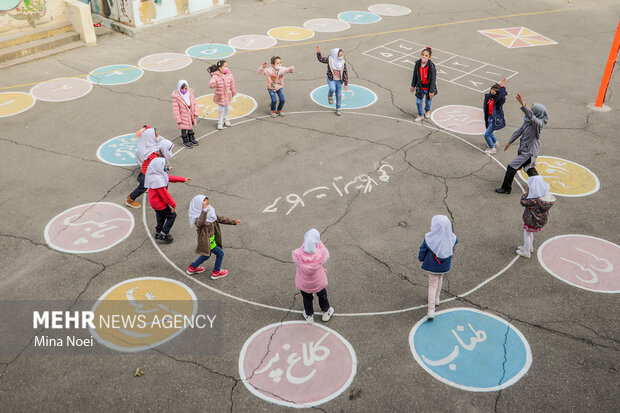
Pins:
<point x="524" y="254"/>
<point x="193" y="141"/>
<point x="436" y="301"/>
<point x="328" y="314"/>
<point x="520" y="248"/>
<point x="427" y="115"/>
<point x="131" y="203"/>
<point x="280" y="113"/>
<point x="338" y="113"/>
<point x="158" y="235"/>
<point x="273" y="114"/>
<point x="227" y="122"/>
<point x="220" y="126"/>
<point x="431" y="314"/>
<point x="187" y="143"/>
<point x="218" y="274"/>
<point x="419" y="118"/>
<point x="309" y="318"/>
<point x="193" y="270"/>
<point x="330" y="99"/>
<point x="166" y="238"/>
<point x="490" y="151"/>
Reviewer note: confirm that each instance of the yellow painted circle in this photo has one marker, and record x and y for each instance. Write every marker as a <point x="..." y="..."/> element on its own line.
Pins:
<point x="241" y="105"/>
<point x="566" y="178"/>
<point x="12" y="103"/>
<point x="148" y="303"/>
<point x="291" y="33"/>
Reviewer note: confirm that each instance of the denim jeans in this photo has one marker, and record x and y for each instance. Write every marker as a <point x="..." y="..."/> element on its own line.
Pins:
<point x="418" y="102"/>
<point x="272" y="95"/>
<point x="165" y="219"/>
<point x="323" y="302"/>
<point x="219" y="257"/>
<point x="335" y="86"/>
<point x="140" y="189"/>
<point x="489" y="136"/>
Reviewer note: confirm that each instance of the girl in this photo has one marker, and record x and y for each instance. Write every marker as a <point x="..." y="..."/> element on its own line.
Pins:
<point x="224" y="84"/>
<point x="436" y="256"/>
<point x="156" y="180"/>
<point x="423" y="83"/>
<point x="275" y="82"/>
<point x="534" y="120"/>
<point x="494" y="114"/>
<point x="310" y="276"/>
<point x="202" y="216"/>
<point x="147" y="150"/>
<point x="537" y="202"/>
<point x="185" y="111"/>
<point x="337" y="75"/>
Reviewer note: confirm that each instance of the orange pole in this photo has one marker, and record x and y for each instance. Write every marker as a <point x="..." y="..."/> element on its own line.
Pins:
<point x="611" y="61"/>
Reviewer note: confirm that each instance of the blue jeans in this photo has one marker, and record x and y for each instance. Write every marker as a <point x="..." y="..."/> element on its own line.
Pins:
<point x="219" y="257"/>
<point x="488" y="134"/>
<point x="272" y="95"/>
<point x="335" y="86"/>
<point x="418" y="102"/>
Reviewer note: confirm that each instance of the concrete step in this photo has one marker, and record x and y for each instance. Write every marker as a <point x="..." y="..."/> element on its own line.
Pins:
<point x="41" y="55"/>
<point x="36" y="46"/>
<point x="31" y="35"/>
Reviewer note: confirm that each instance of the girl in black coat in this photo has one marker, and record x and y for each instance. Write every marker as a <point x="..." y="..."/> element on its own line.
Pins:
<point x="423" y="83"/>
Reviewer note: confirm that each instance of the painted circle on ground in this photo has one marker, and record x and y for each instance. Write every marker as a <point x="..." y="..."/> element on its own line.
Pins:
<point x="326" y="25"/>
<point x="61" y="90"/>
<point x="392" y="10"/>
<point x="290" y="33"/>
<point x="241" y="105"/>
<point x="470" y="349"/>
<point x="359" y="17"/>
<point x="467" y="120"/>
<point x="252" y="42"/>
<point x="119" y="151"/>
<point x="115" y="75"/>
<point x="12" y="103"/>
<point x="149" y="301"/>
<point x="566" y="178"/>
<point x="297" y="365"/>
<point x="214" y="51"/>
<point x="357" y="97"/>
<point x="582" y="261"/>
<point x="6" y="5"/>
<point x="165" y="62"/>
<point x="87" y="228"/>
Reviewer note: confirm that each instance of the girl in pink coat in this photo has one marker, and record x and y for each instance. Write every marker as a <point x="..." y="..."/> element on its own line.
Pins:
<point x="310" y="276"/>
<point x="185" y="111"/>
<point x="224" y="84"/>
<point x="275" y="82"/>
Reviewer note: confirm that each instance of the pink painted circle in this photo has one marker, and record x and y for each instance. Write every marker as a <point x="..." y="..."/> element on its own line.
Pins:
<point x="298" y="365"/>
<point x="88" y="228"/>
<point x="165" y="62"/>
<point x="467" y="120"/>
<point x="583" y="261"/>
<point x="61" y="90"/>
<point x="252" y="42"/>
<point x="326" y="25"/>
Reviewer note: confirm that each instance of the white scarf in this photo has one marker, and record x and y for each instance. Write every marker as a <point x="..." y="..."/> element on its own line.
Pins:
<point x="311" y="241"/>
<point x="155" y="176"/>
<point x="147" y="144"/>
<point x="166" y="148"/>
<point x="185" y="96"/>
<point x="538" y="188"/>
<point x="195" y="209"/>
<point x="441" y="239"/>
<point x="334" y="61"/>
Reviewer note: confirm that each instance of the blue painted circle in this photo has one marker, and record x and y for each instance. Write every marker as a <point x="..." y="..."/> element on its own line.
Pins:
<point x="213" y="51"/>
<point x="356" y="97"/>
<point x="119" y="151"/>
<point x="489" y="354"/>
<point x="358" y="17"/>
<point x="6" y="5"/>
<point x="115" y="75"/>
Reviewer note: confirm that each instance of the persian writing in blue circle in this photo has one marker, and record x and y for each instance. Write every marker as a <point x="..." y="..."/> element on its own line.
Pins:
<point x="119" y="151"/>
<point x="358" y="17"/>
<point x="213" y="51"/>
<point x="115" y="75"/>
<point x="356" y="97"/>
<point x="471" y="350"/>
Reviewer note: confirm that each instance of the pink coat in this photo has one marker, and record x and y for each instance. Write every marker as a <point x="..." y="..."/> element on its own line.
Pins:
<point x="275" y="78"/>
<point x="310" y="276"/>
<point x="184" y="115"/>
<point x="224" y="86"/>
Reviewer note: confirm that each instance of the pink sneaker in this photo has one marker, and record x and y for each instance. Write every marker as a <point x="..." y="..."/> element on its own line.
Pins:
<point x="193" y="270"/>
<point x="219" y="274"/>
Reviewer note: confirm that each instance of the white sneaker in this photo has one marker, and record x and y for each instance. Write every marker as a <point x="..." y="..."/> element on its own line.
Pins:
<point x="419" y="118"/>
<point x="490" y="151"/>
<point x="330" y="100"/>
<point x="520" y="248"/>
<point x="431" y="314"/>
<point x="338" y="113"/>
<point x="220" y="126"/>
<point x="427" y="115"/>
<point x="328" y="314"/>
<point x="524" y="254"/>
<point x="309" y="318"/>
<point x="227" y="122"/>
<point x="436" y="301"/>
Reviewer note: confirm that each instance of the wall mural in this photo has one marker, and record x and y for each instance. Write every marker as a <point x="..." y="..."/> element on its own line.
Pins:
<point x="141" y="12"/>
<point x="30" y="10"/>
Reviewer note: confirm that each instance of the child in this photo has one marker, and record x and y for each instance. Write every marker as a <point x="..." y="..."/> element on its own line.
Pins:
<point x="436" y="256"/>
<point x="310" y="276"/>
<point x="423" y="83"/>
<point x="275" y="82"/>
<point x="537" y="202"/>
<point x="202" y="216"/>
<point x="337" y="75"/>
<point x="147" y="150"/>
<point x="224" y="84"/>
<point x="185" y="111"/>
<point x="156" y="180"/>
<point x="494" y="114"/>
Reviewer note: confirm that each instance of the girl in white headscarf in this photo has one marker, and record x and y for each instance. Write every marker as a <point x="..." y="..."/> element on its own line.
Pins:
<point x="337" y="76"/>
<point x="436" y="256"/>
<point x="148" y="148"/>
<point x="537" y="201"/>
<point x="185" y="111"/>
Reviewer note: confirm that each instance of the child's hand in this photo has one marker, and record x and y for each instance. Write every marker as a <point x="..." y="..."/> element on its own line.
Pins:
<point x="502" y="83"/>
<point x="188" y="179"/>
<point x="412" y="89"/>
<point x="205" y="204"/>
<point x="520" y="99"/>
<point x="527" y="189"/>
<point x="431" y="95"/>
<point x="506" y="147"/>
<point x="346" y="87"/>
<point x="170" y="168"/>
<point x="264" y="65"/>
<point x="317" y="49"/>
<point x="238" y="222"/>
<point x="172" y="209"/>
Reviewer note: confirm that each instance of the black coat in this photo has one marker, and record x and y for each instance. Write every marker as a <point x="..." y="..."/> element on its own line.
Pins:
<point x="416" y="82"/>
<point x="498" y="109"/>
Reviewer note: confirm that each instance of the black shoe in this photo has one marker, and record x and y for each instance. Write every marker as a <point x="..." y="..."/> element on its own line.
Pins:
<point x="158" y="235"/>
<point x="167" y="238"/>
<point x="503" y="191"/>
<point x="193" y="141"/>
<point x="187" y="143"/>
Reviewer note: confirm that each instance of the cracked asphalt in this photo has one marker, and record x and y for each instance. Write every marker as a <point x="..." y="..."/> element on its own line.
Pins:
<point x="49" y="165"/>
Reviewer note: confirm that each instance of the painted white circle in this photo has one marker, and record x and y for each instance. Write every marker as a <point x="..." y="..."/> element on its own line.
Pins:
<point x="119" y="150"/>
<point x="61" y="89"/>
<point x="467" y="120"/>
<point x="165" y="62"/>
<point x="326" y="25"/>
<point x="391" y="10"/>
<point x="357" y="97"/>
<point x="210" y="51"/>
<point x="359" y="17"/>
<point x="13" y="103"/>
<point x="113" y="75"/>
<point x="252" y="42"/>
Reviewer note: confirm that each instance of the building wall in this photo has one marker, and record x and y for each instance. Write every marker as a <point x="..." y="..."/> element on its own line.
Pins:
<point x="16" y="15"/>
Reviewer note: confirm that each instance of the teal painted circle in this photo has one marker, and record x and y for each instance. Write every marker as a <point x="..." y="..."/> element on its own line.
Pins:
<point x="357" y="97"/>
<point x="358" y="17"/>
<point x="471" y="350"/>
<point x="6" y="5"/>
<point x="119" y="151"/>
<point x="213" y="51"/>
<point x="115" y="75"/>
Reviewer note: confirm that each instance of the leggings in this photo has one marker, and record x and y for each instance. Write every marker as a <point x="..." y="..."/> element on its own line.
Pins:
<point x="222" y="113"/>
<point x="434" y="289"/>
<point x="528" y="241"/>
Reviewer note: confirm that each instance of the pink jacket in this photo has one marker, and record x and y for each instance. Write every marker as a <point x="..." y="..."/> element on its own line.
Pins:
<point x="224" y="86"/>
<point x="310" y="276"/>
<point x="184" y="116"/>
<point x="275" y="78"/>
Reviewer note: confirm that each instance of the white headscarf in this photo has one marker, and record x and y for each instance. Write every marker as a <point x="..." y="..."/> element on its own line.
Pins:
<point x="166" y="146"/>
<point x="147" y="144"/>
<point x="335" y="62"/>
<point x="441" y="239"/>
<point x="155" y="176"/>
<point x="311" y="241"/>
<point x="195" y="209"/>
<point x="538" y="187"/>
<point x="185" y="96"/>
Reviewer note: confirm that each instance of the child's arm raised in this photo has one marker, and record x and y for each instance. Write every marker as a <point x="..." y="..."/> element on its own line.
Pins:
<point x="173" y="178"/>
<point x="261" y="68"/>
<point x="318" y="55"/>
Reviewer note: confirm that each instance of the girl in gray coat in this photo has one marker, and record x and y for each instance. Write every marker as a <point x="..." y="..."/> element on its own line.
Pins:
<point x="534" y="120"/>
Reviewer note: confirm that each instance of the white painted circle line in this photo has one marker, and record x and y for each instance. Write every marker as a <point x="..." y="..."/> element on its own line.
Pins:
<point x="34" y="100"/>
<point x="343" y="92"/>
<point x="129" y="67"/>
<point x="596" y="188"/>
<point x="452" y="130"/>
<point x="104" y="144"/>
<point x="90" y="88"/>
